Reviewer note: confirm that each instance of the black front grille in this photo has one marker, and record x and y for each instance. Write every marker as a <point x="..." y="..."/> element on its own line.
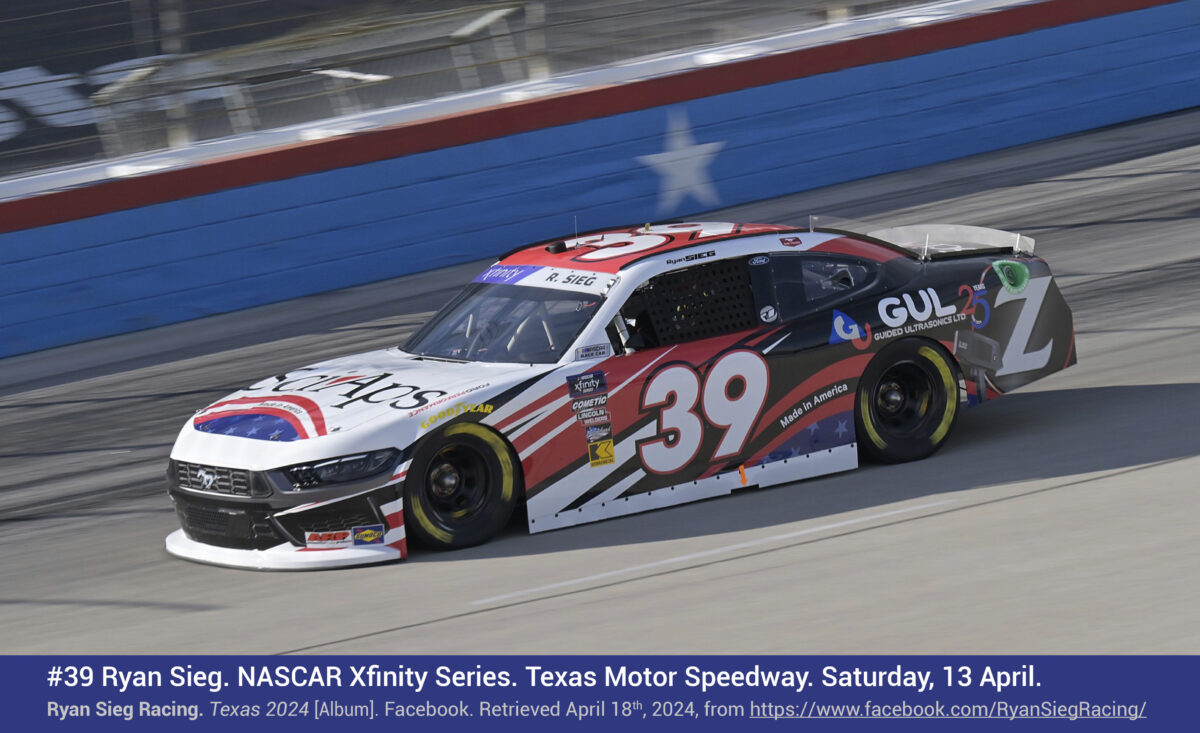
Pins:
<point x="340" y="515"/>
<point x="240" y="526"/>
<point x="213" y="479"/>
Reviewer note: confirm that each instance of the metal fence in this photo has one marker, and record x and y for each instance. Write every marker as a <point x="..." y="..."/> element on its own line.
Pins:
<point x="86" y="80"/>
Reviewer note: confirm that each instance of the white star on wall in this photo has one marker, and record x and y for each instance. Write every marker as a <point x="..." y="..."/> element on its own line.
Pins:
<point x="683" y="166"/>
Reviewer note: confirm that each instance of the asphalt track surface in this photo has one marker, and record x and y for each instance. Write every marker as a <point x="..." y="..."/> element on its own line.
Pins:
<point x="1059" y="519"/>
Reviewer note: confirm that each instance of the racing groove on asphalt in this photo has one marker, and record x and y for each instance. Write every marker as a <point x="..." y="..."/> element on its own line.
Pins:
<point x="1058" y="519"/>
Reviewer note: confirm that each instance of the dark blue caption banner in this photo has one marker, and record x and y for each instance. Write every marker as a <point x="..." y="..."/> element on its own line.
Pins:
<point x="220" y="693"/>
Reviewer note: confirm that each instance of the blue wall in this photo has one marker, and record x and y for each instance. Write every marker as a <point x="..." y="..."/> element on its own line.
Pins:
<point x="243" y="247"/>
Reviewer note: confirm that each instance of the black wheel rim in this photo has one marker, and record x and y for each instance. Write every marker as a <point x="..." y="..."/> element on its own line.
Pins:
<point x="906" y="399"/>
<point x="456" y="483"/>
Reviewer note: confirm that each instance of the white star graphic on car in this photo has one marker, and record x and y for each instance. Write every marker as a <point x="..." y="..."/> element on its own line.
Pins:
<point x="841" y="428"/>
<point x="683" y="166"/>
<point x="251" y="431"/>
<point x="813" y="428"/>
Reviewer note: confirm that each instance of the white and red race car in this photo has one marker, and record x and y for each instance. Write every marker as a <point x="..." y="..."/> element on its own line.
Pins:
<point x="616" y="372"/>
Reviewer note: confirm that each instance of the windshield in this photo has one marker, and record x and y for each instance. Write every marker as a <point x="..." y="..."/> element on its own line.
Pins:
<point x="506" y="323"/>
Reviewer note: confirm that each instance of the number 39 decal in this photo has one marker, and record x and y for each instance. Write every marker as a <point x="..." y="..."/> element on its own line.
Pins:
<point x="676" y="391"/>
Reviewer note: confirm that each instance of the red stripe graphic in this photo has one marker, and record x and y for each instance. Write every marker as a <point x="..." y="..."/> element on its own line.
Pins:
<point x="311" y="408"/>
<point x="832" y="407"/>
<point x="843" y="370"/>
<point x="856" y="248"/>
<point x="273" y="411"/>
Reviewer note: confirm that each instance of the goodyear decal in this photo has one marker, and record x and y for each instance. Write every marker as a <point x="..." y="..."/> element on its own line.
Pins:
<point x="460" y="409"/>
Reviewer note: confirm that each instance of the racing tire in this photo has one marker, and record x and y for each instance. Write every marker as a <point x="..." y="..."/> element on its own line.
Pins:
<point x="461" y="487"/>
<point x="907" y="402"/>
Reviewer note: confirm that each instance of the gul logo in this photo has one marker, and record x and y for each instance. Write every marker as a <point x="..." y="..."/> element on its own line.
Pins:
<point x="585" y="384"/>
<point x="600" y="453"/>
<point x="846" y="329"/>
<point x="896" y="312"/>
<point x="589" y="403"/>
<point x="459" y="409"/>
<point x="371" y="534"/>
<point x="335" y="539"/>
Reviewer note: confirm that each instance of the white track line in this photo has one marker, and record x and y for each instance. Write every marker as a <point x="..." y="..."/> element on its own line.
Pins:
<point x="706" y="553"/>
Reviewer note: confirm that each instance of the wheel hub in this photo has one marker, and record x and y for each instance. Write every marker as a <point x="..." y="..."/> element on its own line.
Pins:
<point x="891" y="397"/>
<point x="445" y="480"/>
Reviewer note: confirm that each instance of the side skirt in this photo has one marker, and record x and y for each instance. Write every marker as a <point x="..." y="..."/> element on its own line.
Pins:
<point x="612" y="504"/>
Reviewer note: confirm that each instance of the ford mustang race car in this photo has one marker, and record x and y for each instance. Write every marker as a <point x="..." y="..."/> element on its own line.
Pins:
<point x="620" y="371"/>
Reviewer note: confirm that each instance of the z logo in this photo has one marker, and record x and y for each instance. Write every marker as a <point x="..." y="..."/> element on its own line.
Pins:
<point x="1016" y="357"/>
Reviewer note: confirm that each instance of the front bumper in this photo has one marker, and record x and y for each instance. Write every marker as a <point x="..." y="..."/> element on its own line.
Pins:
<point x="286" y="556"/>
<point x="278" y="534"/>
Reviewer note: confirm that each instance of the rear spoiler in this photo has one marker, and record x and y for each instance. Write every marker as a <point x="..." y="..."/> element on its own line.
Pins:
<point x="930" y="240"/>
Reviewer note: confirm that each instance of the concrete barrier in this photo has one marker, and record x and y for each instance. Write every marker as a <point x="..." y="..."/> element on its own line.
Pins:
<point x="130" y="254"/>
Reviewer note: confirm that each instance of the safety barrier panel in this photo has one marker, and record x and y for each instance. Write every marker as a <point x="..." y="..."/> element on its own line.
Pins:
<point x="133" y="253"/>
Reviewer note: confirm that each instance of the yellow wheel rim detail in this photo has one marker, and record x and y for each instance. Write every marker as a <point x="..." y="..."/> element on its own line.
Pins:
<point x="434" y="531"/>
<point x="951" y="389"/>
<point x="498" y="446"/>
<point x="864" y="407"/>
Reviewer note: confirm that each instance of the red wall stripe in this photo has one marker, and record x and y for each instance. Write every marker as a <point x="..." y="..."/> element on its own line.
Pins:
<point x="507" y="119"/>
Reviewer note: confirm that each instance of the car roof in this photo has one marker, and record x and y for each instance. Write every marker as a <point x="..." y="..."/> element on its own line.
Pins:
<point x="611" y="250"/>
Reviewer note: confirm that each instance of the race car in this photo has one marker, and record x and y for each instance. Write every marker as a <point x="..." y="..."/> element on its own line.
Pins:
<point x="620" y="371"/>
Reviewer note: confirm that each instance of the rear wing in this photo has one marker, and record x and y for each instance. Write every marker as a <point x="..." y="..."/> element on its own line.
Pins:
<point x="929" y="241"/>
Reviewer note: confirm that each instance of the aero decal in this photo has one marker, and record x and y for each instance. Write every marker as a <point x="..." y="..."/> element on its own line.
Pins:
<point x="895" y="314"/>
<point x="846" y="329"/>
<point x="562" y="493"/>
<point x="569" y="421"/>
<point x="1016" y="359"/>
<point x="828" y="418"/>
<point x="677" y="392"/>
<point x="609" y="245"/>
<point x="505" y="274"/>
<point x="263" y="418"/>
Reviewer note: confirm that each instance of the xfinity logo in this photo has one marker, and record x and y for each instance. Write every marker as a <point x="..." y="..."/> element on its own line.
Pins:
<point x="207" y="478"/>
<point x="505" y="274"/>
<point x="895" y="312"/>
<point x="585" y="384"/>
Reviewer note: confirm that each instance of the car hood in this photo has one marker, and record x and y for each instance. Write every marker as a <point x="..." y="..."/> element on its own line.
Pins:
<point x="363" y="402"/>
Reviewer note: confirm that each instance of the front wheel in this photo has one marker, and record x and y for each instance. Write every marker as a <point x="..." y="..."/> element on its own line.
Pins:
<point x="461" y="487"/>
<point x="907" y="402"/>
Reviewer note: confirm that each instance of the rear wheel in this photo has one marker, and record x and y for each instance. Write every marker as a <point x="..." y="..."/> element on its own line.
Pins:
<point x="907" y="402"/>
<point x="461" y="487"/>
